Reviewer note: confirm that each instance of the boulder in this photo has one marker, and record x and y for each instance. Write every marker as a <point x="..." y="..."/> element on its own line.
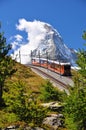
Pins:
<point x="54" y="121"/>
<point x="35" y="128"/>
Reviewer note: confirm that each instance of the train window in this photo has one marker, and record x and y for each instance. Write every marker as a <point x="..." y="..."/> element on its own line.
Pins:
<point x="52" y="65"/>
<point x="57" y="66"/>
<point x="67" y="67"/>
<point x="34" y="60"/>
<point x="67" y="70"/>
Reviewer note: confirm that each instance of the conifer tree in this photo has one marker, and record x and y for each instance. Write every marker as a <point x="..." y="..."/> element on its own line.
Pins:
<point x="75" y="102"/>
<point x="82" y="58"/>
<point x="6" y="63"/>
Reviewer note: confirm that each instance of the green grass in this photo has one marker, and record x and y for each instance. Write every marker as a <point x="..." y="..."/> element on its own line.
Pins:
<point x="19" y="89"/>
<point x="26" y="75"/>
<point x="23" y="81"/>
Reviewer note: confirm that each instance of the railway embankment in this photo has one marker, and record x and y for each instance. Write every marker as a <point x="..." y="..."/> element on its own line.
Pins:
<point x="62" y="82"/>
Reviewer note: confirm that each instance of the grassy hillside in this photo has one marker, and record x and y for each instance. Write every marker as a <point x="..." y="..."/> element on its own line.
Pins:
<point x="16" y="93"/>
<point x="26" y="75"/>
<point x="23" y="93"/>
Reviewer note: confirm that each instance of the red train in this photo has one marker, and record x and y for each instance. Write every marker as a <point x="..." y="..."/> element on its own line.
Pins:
<point x="58" y="67"/>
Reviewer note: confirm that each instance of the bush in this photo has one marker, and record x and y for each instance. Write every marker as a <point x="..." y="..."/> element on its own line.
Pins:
<point x="24" y="105"/>
<point x="50" y="93"/>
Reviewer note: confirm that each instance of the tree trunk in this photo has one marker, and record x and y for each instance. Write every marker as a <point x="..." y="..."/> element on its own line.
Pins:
<point x="84" y="125"/>
<point x="1" y="93"/>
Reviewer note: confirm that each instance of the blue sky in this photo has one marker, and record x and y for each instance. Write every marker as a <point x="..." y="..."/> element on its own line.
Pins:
<point x="68" y="17"/>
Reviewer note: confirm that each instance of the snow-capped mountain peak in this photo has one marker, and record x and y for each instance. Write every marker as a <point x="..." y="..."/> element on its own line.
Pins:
<point x="44" y="38"/>
<point x="53" y="45"/>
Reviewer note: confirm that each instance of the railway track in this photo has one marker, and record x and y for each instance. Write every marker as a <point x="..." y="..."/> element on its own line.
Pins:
<point x="55" y="80"/>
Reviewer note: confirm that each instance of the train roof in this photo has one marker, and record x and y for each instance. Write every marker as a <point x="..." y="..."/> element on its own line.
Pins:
<point x="53" y="61"/>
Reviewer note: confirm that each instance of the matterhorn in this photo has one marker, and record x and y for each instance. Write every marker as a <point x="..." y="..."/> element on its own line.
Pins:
<point x="52" y="46"/>
<point x="44" y="39"/>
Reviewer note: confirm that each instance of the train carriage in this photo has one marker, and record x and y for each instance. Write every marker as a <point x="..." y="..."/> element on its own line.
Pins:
<point x="58" y="67"/>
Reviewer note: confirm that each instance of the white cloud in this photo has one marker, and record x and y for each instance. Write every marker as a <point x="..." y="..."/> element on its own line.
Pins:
<point x="35" y="33"/>
<point x="16" y="41"/>
<point x="18" y="37"/>
<point x="14" y="45"/>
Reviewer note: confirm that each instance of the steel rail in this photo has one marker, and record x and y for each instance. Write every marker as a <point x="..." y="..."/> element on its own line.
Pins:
<point x="50" y="77"/>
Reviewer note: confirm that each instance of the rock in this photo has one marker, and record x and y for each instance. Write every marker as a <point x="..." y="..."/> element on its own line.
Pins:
<point x="35" y="128"/>
<point x="54" y="120"/>
<point x="12" y="127"/>
<point x="52" y="105"/>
